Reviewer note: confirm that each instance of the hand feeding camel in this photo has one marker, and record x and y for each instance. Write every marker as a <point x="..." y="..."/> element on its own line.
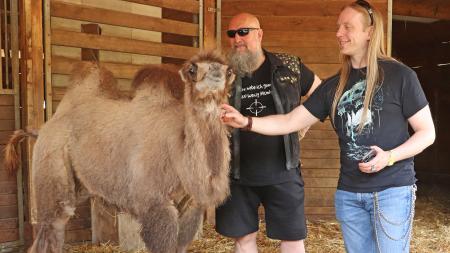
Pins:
<point x="161" y="155"/>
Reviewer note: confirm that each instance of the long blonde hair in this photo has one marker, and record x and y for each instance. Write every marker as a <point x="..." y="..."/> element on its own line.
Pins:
<point x="375" y="51"/>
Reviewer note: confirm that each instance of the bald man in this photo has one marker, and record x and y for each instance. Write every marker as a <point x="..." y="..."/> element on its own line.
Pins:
<point x="265" y="169"/>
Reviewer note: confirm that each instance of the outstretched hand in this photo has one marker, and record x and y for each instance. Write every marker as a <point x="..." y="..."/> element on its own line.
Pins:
<point x="232" y="117"/>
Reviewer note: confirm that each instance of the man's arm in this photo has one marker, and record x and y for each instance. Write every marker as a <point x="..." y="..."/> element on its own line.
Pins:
<point x="279" y="124"/>
<point x="314" y="86"/>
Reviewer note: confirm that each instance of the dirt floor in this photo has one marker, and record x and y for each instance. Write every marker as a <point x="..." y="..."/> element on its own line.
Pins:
<point x="431" y="232"/>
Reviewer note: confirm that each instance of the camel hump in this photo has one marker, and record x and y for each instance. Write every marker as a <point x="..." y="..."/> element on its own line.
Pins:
<point x="164" y="76"/>
<point x="96" y="77"/>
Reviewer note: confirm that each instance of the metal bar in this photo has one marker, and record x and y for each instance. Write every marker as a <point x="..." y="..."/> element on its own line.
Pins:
<point x="48" y="61"/>
<point x="219" y="24"/>
<point x="6" y="49"/>
<point x="200" y="24"/>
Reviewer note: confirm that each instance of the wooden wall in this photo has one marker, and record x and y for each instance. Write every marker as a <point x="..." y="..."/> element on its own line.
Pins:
<point x="305" y="28"/>
<point x="426" y="48"/>
<point x="9" y="222"/>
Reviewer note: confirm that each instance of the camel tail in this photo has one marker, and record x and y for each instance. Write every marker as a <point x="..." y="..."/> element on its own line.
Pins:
<point x="12" y="160"/>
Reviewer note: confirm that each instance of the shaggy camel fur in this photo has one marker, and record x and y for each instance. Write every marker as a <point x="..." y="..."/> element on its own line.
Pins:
<point x="161" y="154"/>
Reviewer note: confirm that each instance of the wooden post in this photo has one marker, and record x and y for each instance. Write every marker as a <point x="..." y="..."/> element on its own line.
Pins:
<point x="209" y="24"/>
<point x="32" y="84"/>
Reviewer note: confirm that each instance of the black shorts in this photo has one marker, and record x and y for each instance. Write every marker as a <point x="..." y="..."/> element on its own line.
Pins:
<point x="283" y="207"/>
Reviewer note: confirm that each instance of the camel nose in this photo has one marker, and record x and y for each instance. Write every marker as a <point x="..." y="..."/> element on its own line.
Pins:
<point x="215" y="69"/>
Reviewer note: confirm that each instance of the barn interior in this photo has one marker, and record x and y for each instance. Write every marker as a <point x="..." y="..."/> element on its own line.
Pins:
<point x="42" y="39"/>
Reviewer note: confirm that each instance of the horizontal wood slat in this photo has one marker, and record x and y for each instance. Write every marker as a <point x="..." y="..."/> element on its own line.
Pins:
<point x="320" y="144"/>
<point x="319" y="153"/>
<point x="8" y="199"/>
<point x="191" y="6"/>
<point x="324" y="70"/>
<point x="78" y="235"/>
<point x="64" y="65"/>
<point x="439" y="9"/>
<point x="325" y="173"/>
<point x="323" y="197"/>
<point x="4" y="136"/>
<point x="6" y="99"/>
<point x="7" y="112"/>
<point x="9" y="235"/>
<point x="320" y="182"/>
<point x="320" y="134"/>
<point x="7" y="124"/>
<point x="8" y="224"/>
<point x="291" y="8"/>
<point x="286" y="23"/>
<point x="8" y="188"/>
<point x="310" y="55"/>
<point x="83" y="40"/>
<point x="320" y="163"/>
<point x="8" y="212"/>
<point x="123" y="19"/>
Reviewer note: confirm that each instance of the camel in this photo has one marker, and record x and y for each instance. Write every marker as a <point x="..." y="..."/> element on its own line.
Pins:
<point x="160" y="154"/>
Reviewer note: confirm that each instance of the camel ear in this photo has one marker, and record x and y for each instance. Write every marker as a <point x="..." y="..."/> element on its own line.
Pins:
<point x="189" y="72"/>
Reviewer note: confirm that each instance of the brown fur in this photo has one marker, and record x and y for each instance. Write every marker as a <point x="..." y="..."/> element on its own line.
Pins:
<point x="162" y="155"/>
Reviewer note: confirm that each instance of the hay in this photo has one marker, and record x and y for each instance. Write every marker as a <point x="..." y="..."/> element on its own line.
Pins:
<point x="431" y="232"/>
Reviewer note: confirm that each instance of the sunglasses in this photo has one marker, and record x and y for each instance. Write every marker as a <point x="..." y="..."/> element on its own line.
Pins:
<point x="241" y="32"/>
<point x="368" y="8"/>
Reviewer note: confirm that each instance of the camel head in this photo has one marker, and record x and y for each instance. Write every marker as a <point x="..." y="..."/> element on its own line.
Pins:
<point x="208" y="78"/>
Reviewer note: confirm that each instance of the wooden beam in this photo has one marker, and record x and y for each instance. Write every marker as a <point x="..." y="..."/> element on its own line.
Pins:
<point x="77" y="39"/>
<point x="118" y="18"/>
<point x="191" y="6"/>
<point x="209" y="24"/>
<point x="439" y="9"/>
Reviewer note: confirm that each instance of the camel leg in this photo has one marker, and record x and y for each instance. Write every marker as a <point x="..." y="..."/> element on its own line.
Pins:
<point x="189" y="224"/>
<point x="50" y="237"/>
<point x="160" y="228"/>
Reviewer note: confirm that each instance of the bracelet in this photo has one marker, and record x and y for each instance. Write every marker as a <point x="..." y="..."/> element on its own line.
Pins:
<point x="391" y="159"/>
<point x="248" y="127"/>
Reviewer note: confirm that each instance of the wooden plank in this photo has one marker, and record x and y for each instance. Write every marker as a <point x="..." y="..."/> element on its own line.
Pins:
<point x="320" y="144"/>
<point x="8" y="212"/>
<point x="123" y="19"/>
<point x="324" y="70"/>
<point x="4" y="137"/>
<point x="5" y="176"/>
<point x="6" y="224"/>
<point x="9" y="235"/>
<point x="320" y="134"/>
<point x="7" y="124"/>
<point x="209" y="24"/>
<point x="76" y="39"/>
<point x="286" y="23"/>
<point x="326" y="125"/>
<point x="7" y="112"/>
<point x="291" y="8"/>
<point x="191" y="6"/>
<point x="8" y="187"/>
<point x="321" y="163"/>
<point x="64" y="65"/>
<point x="78" y="235"/>
<point x="437" y="9"/>
<point x="8" y="199"/>
<point x="78" y="223"/>
<point x="319" y="196"/>
<point x="319" y="173"/>
<point x="309" y="54"/>
<point x="320" y="182"/>
<point x="319" y="153"/>
<point x="6" y="100"/>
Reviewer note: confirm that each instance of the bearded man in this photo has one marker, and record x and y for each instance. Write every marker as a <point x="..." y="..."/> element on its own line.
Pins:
<point x="265" y="170"/>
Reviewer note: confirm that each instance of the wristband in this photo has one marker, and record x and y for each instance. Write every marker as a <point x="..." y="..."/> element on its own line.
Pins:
<point x="391" y="159"/>
<point x="248" y="127"/>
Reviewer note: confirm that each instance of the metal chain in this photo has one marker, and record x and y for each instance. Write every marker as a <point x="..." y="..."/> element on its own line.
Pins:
<point x="377" y="212"/>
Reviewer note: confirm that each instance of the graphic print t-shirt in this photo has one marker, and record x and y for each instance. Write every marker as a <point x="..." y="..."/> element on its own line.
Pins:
<point x="398" y="97"/>
<point x="263" y="160"/>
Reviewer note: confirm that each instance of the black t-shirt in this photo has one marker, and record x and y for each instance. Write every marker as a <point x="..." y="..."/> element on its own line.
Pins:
<point x="398" y="98"/>
<point x="262" y="158"/>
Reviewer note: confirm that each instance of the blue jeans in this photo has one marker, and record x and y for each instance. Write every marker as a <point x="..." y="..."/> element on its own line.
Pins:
<point x="379" y="222"/>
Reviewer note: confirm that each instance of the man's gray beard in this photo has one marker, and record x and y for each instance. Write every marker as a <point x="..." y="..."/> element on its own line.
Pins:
<point x="243" y="64"/>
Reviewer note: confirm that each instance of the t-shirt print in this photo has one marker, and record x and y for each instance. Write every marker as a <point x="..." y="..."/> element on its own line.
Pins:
<point x="254" y="96"/>
<point x="350" y="110"/>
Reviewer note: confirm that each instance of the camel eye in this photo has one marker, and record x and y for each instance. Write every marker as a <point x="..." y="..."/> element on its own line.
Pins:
<point x="229" y="72"/>
<point x="193" y="69"/>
